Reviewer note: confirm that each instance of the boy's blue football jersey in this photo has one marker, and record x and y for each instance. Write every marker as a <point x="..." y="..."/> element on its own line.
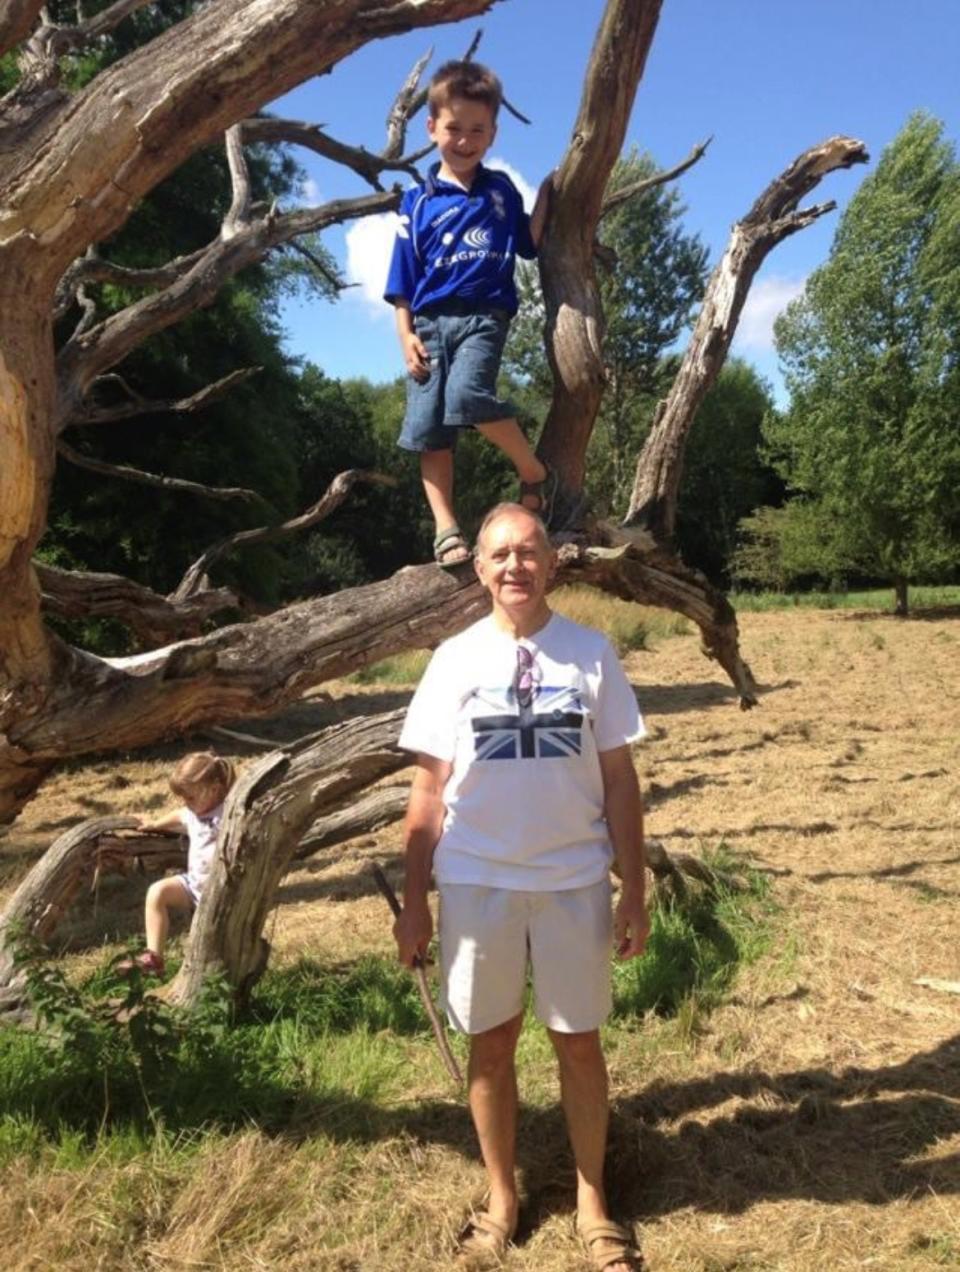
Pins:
<point x="457" y="244"/>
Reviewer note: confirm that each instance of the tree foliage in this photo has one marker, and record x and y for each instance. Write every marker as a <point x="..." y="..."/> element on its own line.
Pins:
<point x="872" y="361"/>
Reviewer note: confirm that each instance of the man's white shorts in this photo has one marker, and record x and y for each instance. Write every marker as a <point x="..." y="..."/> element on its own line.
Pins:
<point x="488" y="936"/>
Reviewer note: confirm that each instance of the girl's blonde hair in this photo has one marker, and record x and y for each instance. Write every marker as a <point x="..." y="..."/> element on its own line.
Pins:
<point x="202" y="769"/>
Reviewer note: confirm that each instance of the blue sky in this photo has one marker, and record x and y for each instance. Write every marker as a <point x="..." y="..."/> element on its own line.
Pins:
<point x="767" y="78"/>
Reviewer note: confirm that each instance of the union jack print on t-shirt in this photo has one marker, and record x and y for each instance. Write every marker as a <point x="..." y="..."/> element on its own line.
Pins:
<point x="547" y="728"/>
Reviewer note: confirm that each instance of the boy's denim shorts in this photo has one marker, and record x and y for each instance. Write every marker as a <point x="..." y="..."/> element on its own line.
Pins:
<point x="465" y="344"/>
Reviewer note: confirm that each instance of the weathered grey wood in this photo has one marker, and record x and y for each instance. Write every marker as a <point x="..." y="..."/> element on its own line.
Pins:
<point x="154" y="619"/>
<point x="267" y="814"/>
<point x="49" y="889"/>
<point x="574" y="318"/>
<point x="774" y="216"/>
<point x="72" y="166"/>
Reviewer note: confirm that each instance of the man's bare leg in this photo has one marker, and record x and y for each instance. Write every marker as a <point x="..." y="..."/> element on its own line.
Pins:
<point x="492" y="1086"/>
<point x="509" y="437"/>
<point x="584" y="1094"/>
<point x="436" y="473"/>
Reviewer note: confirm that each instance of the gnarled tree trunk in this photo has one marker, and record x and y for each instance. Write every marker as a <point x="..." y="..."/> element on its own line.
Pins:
<point x="71" y="167"/>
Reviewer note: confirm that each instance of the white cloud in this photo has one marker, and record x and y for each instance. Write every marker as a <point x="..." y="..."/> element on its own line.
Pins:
<point x="369" y="244"/>
<point x="768" y="297"/>
<point x="527" y="191"/>
<point x="310" y="192"/>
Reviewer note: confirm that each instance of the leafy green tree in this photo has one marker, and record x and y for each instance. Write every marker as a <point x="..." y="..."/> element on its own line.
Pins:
<point x="871" y="354"/>
<point x="724" y="474"/>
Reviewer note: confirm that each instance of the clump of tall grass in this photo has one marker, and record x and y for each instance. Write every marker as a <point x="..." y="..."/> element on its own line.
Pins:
<point x="628" y="626"/>
<point x="399" y="669"/>
<point x="694" y="949"/>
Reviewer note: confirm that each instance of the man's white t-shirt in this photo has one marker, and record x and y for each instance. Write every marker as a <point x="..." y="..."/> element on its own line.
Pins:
<point x="524" y="802"/>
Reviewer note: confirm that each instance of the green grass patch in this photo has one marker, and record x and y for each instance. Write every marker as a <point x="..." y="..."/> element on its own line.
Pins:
<point x="115" y="1073"/>
<point x="694" y="950"/>
<point x="398" y="669"/>
<point x="880" y="599"/>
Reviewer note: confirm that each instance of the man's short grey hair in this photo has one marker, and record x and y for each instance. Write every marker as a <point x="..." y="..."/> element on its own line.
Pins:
<point x="509" y="509"/>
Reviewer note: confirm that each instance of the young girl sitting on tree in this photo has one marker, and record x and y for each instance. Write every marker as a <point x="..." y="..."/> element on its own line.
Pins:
<point x="201" y="780"/>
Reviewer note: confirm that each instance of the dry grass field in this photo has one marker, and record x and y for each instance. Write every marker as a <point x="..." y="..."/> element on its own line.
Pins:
<point x="809" y="1123"/>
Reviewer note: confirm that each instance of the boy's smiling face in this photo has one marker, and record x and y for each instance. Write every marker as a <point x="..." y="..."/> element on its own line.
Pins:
<point x="464" y="131"/>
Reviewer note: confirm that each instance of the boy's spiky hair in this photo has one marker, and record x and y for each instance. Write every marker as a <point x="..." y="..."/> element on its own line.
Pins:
<point x="470" y="80"/>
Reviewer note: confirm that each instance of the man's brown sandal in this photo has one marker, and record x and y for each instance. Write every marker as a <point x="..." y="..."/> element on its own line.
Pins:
<point x="484" y="1241"/>
<point x="618" y="1245"/>
<point x="450" y="549"/>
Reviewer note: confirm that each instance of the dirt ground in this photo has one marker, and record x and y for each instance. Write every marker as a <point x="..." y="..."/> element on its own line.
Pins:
<point x="815" y="1121"/>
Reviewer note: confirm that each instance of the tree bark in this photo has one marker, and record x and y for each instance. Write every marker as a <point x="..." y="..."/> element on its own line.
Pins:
<point x="72" y="166"/>
<point x="901" y="589"/>
<point x="267" y="814"/>
<point x="574" y="319"/>
<point x="154" y="620"/>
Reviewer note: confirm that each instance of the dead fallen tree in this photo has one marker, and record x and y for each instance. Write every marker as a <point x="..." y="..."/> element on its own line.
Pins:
<point x="286" y="807"/>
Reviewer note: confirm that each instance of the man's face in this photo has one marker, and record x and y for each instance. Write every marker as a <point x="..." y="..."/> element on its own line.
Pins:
<point x="464" y="131"/>
<point x="514" y="563"/>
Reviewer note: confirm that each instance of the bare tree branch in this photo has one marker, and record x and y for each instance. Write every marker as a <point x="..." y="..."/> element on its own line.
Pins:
<point x="179" y="484"/>
<point x="155" y="620"/>
<point x="574" y="327"/>
<point x="367" y="165"/>
<point x="774" y="216"/>
<point x="331" y="499"/>
<point x="107" y="20"/>
<point x="89" y="315"/>
<point x="87" y="413"/>
<point x="91" y="268"/>
<point x="321" y="267"/>
<point x="616" y="198"/>
<point x="238" y="214"/>
<point x="107" y="344"/>
<point x="405" y="105"/>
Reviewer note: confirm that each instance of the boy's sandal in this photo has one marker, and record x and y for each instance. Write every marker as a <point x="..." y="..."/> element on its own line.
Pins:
<point x="450" y="549"/>
<point x="544" y="491"/>
<point x="148" y="963"/>
<point x="484" y="1241"/>
<point x="617" y="1245"/>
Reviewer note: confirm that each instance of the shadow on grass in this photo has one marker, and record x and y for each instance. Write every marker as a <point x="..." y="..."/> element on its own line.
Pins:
<point x="719" y="1143"/>
<point x="111" y="1054"/>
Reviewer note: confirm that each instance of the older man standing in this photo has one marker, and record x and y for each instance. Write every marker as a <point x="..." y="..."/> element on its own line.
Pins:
<point x="524" y="792"/>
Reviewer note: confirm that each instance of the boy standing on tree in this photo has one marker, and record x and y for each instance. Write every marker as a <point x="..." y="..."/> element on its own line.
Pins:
<point x="451" y="282"/>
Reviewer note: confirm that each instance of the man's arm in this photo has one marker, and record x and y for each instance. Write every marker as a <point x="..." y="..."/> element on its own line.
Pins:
<point x="422" y="828"/>
<point x="623" y="809"/>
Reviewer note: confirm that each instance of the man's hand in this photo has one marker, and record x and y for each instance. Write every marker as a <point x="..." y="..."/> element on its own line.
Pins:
<point x="631" y="925"/>
<point x="413" y="931"/>
<point x="416" y="357"/>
